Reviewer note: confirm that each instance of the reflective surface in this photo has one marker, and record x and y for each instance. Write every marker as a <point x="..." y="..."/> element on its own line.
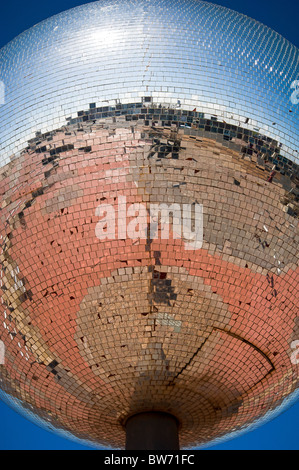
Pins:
<point x="201" y="55"/>
<point x="176" y="102"/>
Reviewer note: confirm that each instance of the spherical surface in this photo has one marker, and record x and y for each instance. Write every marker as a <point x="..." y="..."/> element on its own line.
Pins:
<point x="111" y="110"/>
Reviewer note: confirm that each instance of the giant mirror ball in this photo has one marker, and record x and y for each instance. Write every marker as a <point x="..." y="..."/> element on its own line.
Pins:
<point x="110" y="109"/>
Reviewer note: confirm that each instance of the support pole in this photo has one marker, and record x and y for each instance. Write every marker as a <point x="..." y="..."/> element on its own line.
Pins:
<point x="152" y="431"/>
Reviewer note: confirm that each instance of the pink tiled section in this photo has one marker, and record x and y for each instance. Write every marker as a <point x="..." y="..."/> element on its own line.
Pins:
<point x="96" y="330"/>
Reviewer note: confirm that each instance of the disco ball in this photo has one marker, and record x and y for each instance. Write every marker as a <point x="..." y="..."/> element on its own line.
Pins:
<point x="112" y="112"/>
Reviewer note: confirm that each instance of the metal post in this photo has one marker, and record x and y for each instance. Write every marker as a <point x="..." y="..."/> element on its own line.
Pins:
<point x="152" y="431"/>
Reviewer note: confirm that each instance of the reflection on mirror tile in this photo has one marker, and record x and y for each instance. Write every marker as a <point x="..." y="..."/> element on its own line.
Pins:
<point x="163" y="102"/>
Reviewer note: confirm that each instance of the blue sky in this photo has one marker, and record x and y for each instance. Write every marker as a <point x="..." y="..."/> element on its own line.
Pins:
<point x="15" y="431"/>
